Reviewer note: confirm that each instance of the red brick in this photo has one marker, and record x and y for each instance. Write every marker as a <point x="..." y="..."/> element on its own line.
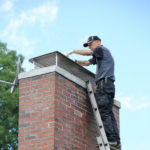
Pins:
<point x="60" y="115"/>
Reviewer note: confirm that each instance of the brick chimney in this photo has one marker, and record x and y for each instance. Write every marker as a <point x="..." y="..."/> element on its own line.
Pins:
<point x="54" y="109"/>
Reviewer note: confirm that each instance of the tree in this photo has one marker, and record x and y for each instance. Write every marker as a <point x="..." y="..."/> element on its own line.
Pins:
<point x="9" y="103"/>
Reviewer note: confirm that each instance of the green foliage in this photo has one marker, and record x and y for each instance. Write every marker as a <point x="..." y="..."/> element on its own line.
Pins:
<point x="9" y="103"/>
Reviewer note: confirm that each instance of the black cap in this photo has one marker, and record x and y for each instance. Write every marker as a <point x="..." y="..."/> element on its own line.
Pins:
<point x="90" y="40"/>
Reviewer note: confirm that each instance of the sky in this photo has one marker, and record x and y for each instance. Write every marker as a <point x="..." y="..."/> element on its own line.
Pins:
<point x="37" y="27"/>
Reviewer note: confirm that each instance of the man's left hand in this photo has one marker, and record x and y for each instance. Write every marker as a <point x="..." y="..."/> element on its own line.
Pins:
<point x="68" y="53"/>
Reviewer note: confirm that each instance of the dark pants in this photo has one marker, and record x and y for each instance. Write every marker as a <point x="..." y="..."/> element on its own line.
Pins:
<point x="105" y="93"/>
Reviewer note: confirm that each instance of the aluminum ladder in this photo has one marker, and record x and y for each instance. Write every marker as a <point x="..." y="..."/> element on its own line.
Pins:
<point x="102" y="139"/>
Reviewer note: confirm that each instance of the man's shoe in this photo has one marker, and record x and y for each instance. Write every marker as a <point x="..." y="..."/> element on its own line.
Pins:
<point x="115" y="145"/>
<point x="115" y="148"/>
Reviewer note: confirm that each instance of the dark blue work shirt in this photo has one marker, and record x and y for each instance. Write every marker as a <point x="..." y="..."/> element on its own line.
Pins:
<point x="105" y="63"/>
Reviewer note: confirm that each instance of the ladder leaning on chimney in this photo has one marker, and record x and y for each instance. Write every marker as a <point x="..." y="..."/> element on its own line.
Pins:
<point x="102" y="139"/>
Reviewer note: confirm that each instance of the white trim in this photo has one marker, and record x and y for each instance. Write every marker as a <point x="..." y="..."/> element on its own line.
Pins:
<point x="50" y="69"/>
<point x="35" y="72"/>
<point x="70" y="76"/>
<point x="117" y="103"/>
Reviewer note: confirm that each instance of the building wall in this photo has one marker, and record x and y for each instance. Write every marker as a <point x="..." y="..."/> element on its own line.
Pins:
<point x="36" y="112"/>
<point x="55" y="114"/>
<point x="117" y="115"/>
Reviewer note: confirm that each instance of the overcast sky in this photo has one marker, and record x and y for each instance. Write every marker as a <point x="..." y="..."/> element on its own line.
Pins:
<point x="36" y="27"/>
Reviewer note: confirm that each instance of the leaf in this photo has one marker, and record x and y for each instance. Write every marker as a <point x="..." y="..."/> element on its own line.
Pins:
<point x="9" y="103"/>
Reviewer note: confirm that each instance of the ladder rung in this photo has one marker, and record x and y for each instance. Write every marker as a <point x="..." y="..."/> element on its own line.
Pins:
<point x="100" y="143"/>
<point x="90" y="92"/>
<point x="95" y="109"/>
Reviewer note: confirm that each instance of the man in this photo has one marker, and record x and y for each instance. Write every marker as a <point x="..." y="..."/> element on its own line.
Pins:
<point x="105" y="90"/>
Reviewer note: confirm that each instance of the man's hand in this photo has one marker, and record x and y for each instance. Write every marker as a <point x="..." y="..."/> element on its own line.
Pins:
<point x="68" y="53"/>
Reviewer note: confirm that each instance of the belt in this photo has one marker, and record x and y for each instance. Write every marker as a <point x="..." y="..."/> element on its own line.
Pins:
<point x="106" y="79"/>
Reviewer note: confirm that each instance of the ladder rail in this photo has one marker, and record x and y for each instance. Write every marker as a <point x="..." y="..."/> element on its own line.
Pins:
<point x="102" y="140"/>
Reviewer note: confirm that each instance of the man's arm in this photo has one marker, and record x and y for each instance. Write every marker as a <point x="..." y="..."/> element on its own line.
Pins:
<point x="83" y="52"/>
<point x="79" y="51"/>
<point x="83" y="62"/>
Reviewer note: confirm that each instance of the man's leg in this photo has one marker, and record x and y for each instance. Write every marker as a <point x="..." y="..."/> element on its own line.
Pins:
<point x="104" y="95"/>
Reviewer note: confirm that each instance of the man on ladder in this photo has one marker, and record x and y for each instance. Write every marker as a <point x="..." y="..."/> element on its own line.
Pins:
<point x="105" y="90"/>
